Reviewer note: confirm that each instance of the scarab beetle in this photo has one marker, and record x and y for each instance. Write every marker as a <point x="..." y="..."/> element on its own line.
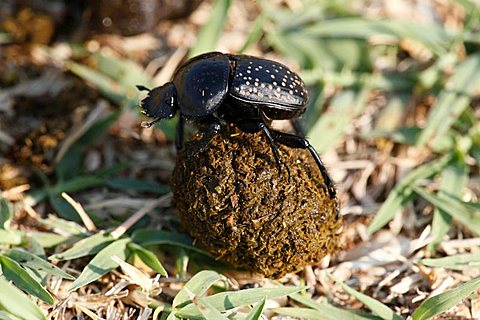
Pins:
<point x="216" y="88"/>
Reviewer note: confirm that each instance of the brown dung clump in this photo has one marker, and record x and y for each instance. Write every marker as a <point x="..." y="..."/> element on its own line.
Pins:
<point x="234" y="201"/>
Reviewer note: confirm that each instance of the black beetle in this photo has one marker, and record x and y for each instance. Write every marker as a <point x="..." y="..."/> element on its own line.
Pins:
<point x="247" y="91"/>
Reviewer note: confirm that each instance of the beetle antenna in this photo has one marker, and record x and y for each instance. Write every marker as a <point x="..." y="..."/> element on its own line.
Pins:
<point x="148" y="124"/>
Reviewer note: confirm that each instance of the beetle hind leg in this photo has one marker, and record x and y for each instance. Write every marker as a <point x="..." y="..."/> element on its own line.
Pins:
<point x="294" y="141"/>
<point x="271" y="142"/>
<point x="255" y="125"/>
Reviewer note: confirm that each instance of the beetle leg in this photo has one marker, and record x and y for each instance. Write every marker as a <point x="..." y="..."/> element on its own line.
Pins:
<point x="294" y="141"/>
<point x="271" y="142"/>
<point x="180" y="130"/>
<point x="148" y="124"/>
<point x="209" y="127"/>
<point x="252" y="126"/>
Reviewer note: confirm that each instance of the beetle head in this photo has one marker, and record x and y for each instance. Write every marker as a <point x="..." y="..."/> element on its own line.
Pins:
<point x="160" y="103"/>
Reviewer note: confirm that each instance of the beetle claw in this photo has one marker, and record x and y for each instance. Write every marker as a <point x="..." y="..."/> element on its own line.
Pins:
<point x="148" y="124"/>
<point x="279" y="167"/>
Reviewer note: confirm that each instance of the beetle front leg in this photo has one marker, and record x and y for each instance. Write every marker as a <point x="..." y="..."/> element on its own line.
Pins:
<point x="180" y="132"/>
<point x="294" y="141"/>
<point x="209" y="127"/>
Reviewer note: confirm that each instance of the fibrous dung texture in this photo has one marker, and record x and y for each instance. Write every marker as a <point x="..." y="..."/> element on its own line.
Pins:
<point x="232" y="198"/>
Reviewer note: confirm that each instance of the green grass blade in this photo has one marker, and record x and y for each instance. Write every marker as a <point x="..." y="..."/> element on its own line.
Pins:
<point x="150" y="237"/>
<point x="5" y="212"/>
<point x="182" y="259"/>
<point x="467" y="215"/>
<point x="209" y="311"/>
<point x="374" y="305"/>
<point x="313" y="314"/>
<point x="102" y="263"/>
<point x="124" y="71"/>
<point x="331" y="126"/>
<point x="454" y="180"/>
<point x="455" y="262"/>
<point x="29" y="260"/>
<point x="256" y="312"/>
<point x="5" y="315"/>
<point x="68" y="166"/>
<point x="62" y="225"/>
<point x="85" y="247"/>
<point x="255" y="33"/>
<point x="197" y="286"/>
<point x="15" y="302"/>
<point x="211" y="31"/>
<point x="75" y="184"/>
<point x="402" y="192"/>
<point x="12" y="237"/>
<point x="14" y="272"/>
<point x="432" y="37"/>
<point x="329" y="311"/>
<point x="47" y="239"/>
<point x="452" y="100"/>
<point x="106" y="85"/>
<point x="232" y="299"/>
<point x="5" y="38"/>
<point x="148" y="257"/>
<point x="445" y="300"/>
<point x="136" y="185"/>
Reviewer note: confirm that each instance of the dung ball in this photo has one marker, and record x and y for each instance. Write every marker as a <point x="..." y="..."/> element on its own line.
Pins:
<point x="232" y="198"/>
